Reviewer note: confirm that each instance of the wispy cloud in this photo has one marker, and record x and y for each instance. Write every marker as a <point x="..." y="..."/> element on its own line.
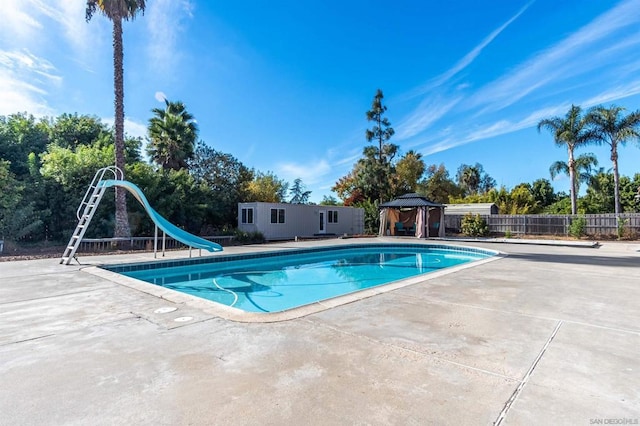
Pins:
<point x="165" y="22"/>
<point x="439" y="102"/>
<point x="469" y="57"/>
<point x="561" y="62"/>
<point x="428" y="112"/>
<point x="570" y="71"/>
<point x="501" y="127"/>
<point x="24" y="82"/>
<point x="17" y="21"/>
<point x="616" y="93"/>
<point x="310" y="173"/>
<point x="70" y="15"/>
<point x="132" y="127"/>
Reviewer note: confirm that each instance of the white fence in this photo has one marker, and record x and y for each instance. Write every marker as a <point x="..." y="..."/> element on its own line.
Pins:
<point x="531" y="224"/>
<point x="140" y="243"/>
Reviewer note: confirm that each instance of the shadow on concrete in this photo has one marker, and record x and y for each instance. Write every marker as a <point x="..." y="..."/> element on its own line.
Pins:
<point x="613" y="261"/>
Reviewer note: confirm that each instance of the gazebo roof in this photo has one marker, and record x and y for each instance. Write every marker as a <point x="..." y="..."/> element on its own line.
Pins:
<point x="410" y="200"/>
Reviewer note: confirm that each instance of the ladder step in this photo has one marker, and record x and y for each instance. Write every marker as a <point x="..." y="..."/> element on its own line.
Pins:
<point x="70" y="248"/>
<point x="75" y="237"/>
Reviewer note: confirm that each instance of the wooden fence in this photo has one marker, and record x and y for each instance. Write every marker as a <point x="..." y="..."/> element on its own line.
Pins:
<point x="532" y="224"/>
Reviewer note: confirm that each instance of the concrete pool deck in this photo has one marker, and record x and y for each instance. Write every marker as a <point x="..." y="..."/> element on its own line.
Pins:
<point x="547" y="335"/>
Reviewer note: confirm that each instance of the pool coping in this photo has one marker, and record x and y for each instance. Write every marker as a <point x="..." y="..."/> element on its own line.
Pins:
<point x="239" y="315"/>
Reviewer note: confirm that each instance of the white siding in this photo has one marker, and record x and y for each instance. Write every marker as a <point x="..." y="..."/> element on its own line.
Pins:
<point x="301" y="220"/>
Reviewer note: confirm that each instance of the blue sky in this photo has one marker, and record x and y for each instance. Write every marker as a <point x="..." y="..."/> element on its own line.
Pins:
<point x="284" y="85"/>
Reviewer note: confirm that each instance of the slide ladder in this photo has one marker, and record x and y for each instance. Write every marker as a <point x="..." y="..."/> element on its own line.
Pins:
<point x="93" y="196"/>
<point x="87" y="209"/>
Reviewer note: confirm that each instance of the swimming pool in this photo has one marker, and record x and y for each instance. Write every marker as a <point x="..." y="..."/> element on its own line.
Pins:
<point x="282" y="280"/>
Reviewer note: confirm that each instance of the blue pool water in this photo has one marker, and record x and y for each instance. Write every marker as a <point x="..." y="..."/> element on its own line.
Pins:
<point x="273" y="282"/>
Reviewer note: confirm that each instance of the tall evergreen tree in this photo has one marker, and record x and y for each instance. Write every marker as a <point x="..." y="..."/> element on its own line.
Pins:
<point x="377" y="176"/>
<point x="381" y="130"/>
<point x="298" y="193"/>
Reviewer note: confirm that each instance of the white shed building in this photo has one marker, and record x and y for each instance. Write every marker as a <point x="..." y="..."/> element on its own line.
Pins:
<point x="282" y="221"/>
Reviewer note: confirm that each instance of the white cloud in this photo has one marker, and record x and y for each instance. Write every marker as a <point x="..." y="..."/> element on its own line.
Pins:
<point x="567" y="58"/>
<point x="160" y="97"/>
<point x="24" y="20"/>
<point x="428" y="112"/>
<point x="614" y="94"/>
<point x="17" y="22"/>
<point x="131" y="127"/>
<point x="25" y="80"/>
<point x="165" y="21"/>
<point x="470" y="56"/>
<point x="309" y="173"/>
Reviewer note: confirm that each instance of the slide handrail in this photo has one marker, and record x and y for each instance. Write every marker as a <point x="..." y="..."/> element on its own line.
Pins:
<point x="97" y="178"/>
<point x="169" y="228"/>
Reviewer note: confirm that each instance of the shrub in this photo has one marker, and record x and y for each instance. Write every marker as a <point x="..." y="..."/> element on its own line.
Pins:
<point x="577" y="227"/>
<point x="507" y="234"/>
<point x="474" y="226"/>
<point x="249" y="237"/>
<point x="621" y="227"/>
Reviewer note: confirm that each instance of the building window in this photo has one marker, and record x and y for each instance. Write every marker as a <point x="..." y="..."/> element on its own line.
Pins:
<point x="277" y="215"/>
<point x="247" y="215"/>
<point x="333" y="216"/>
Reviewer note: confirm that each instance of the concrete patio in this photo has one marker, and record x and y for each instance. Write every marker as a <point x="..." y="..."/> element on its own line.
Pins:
<point x="546" y="335"/>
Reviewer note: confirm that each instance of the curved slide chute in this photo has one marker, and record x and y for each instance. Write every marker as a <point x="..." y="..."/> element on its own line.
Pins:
<point x="169" y="228"/>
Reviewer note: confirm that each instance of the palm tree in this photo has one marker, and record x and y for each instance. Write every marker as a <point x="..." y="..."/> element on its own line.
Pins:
<point x="117" y="11"/>
<point x="572" y="132"/>
<point x="613" y="128"/>
<point x="172" y="133"/>
<point x="584" y="169"/>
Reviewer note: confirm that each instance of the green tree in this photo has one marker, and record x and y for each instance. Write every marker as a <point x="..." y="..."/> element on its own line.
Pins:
<point x="172" y="136"/>
<point x="474" y="180"/>
<point x="347" y="188"/>
<point x="329" y="200"/>
<point x="266" y="187"/>
<point x="571" y="132"/>
<point x="584" y="169"/>
<point x="374" y="179"/>
<point x="20" y="135"/>
<point x="71" y="130"/>
<point x="10" y="194"/>
<point x="438" y="186"/>
<point x="67" y="172"/>
<point x="225" y="180"/>
<point x="543" y="193"/>
<point x="614" y="129"/>
<point x="600" y="197"/>
<point x="298" y="193"/>
<point x="117" y="11"/>
<point x="409" y="171"/>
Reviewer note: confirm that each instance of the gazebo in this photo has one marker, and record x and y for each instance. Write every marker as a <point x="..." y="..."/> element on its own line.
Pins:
<point x="412" y="214"/>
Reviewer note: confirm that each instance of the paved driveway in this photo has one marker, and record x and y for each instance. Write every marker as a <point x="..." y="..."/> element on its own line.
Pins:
<point x="546" y="335"/>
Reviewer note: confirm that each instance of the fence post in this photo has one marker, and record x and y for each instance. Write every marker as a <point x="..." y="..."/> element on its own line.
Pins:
<point x="525" y="224"/>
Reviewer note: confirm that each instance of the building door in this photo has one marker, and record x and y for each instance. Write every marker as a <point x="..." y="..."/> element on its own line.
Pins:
<point x="323" y="222"/>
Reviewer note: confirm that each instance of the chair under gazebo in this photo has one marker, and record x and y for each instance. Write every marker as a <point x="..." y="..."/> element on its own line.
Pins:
<point x="412" y="215"/>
